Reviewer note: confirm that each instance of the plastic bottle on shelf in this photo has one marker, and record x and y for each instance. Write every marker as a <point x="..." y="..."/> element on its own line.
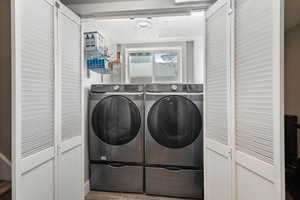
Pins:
<point x="98" y="63"/>
<point x="103" y="63"/>
<point x="88" y="63"/>
<point x="92" y="62"/>
<point x="87" y="40"/>
<point x="93" y="44"/>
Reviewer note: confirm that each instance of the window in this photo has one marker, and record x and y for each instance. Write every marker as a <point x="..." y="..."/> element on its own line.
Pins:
<point x="140" y="67"/>
<point x="154" y="66"/>
<point x="166" y="67"/>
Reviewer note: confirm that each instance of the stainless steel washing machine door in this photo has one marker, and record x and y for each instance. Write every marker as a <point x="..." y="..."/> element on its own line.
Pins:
<point x="116" y="128"/>
<point x="174" y="130"/>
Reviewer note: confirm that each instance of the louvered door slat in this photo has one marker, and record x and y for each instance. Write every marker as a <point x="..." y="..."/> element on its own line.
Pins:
<point x="254" y="75"/>
<point x="70" y="79"/>
<point x="217" y="77"/>
<point x="37" y="76"/>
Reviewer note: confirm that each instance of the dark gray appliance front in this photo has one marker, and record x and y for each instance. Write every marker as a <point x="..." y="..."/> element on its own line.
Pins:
<point x="173" y="129"/>
<point x="116" y="124"/>
<point x="174" y="140"/>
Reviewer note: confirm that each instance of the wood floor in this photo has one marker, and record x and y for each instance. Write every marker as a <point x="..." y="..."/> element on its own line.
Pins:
<point x="123" y="196"/>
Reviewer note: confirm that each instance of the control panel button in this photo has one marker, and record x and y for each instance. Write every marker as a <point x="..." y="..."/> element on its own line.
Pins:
<point x="174" y="87"/>
<point x="116" y="87"/>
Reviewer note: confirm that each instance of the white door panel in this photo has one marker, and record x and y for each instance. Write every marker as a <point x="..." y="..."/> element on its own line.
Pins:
<point x="258" y="100"/>
<point x="46" y="125"/>
<point x="33" y="100"/>
<point x="217" y="116"/>
<point x="248" y="182"/>
<point x="254" y="78"/>
<point x="38" y="183"/>
<point x="71" y="169"/>
<point x="255" y="104"/>
<point x="70" y="156"/>
<point x="218" y="176"/>
<point x="37" y="76"/>
<point x="70" y="80"/>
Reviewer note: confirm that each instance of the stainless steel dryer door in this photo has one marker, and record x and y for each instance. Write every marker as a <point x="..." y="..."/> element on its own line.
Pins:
<point x="174" y="130"/>
<point x="116" y="128"/>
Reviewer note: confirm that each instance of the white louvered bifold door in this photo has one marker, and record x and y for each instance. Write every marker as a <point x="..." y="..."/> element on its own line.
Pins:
<point x="46" y="102"/>
<point x="258" y="100"/>
<point x="33" y="100"/>
<point x="217" y="100"/>
<point x="70" y="106"/>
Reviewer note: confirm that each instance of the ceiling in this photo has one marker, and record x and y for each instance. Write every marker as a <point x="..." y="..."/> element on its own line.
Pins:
<point x="163" y="29"/>
<point x="292" y="13"/>
<point x="122" y="8"/>
<point x="108" y="9"/>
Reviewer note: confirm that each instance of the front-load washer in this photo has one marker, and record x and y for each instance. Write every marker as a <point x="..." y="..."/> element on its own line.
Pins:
<point x="116" y="137"/>
<point x="174" y="140"/>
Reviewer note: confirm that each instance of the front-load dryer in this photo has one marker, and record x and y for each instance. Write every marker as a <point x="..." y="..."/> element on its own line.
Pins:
<point x="116" y="137"/>
<point x="174" y="140"/>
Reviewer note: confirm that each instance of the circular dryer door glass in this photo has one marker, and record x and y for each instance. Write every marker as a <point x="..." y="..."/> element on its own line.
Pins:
<point x="116" y="120"/>
<point x="174" y="121"/>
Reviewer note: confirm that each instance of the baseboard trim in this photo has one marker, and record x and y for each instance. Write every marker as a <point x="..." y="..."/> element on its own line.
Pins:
<point x="86" y="187"/>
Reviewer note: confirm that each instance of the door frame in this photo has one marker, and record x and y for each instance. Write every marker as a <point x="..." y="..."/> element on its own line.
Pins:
<point x="278" y="54"/>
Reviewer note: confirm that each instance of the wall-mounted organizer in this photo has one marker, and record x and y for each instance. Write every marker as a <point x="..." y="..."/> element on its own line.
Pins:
<point x="97" y="55"/>
<point x="94" y="42"/>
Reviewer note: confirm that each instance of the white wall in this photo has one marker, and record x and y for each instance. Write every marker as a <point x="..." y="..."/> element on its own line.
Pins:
<point x="5" y="74"/>
<point x="199" y="60"/>
<point x="199" y="53"/>
<point x="164" y="31"/>
<point x="292" y="74"/>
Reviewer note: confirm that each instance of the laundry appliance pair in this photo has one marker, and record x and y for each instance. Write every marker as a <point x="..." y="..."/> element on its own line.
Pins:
<point x="147" y="138"/>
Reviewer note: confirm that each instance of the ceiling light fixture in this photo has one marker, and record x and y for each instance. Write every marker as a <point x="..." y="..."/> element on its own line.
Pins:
<point x="143" y="25"/>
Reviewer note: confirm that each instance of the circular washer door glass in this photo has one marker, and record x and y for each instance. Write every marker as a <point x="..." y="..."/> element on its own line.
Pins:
<point x="116" y="120"/>
<point x="174" y="121"/>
